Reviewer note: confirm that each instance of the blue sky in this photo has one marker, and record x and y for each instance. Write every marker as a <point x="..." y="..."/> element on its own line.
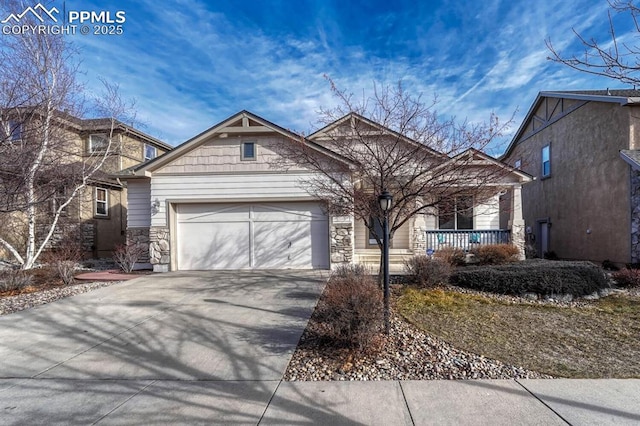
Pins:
<point x="190" y="64"/>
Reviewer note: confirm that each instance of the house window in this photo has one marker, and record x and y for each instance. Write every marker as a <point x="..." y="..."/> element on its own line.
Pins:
<point x="102" y="202"/>
<point x="98" y="143"/>
<point x="456" y="213"/>
<point x="517" y="164"/>
<point x="12" y="131"/>
<point x="59" y="198"/>
<point x="376" y="224"/>
<point x="248" y="150"/>
<point x="546" y="160"/>
<point x="149" y="152"/>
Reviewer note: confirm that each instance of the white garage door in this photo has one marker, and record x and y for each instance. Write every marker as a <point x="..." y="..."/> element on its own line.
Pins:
<point x="244" y="236"/>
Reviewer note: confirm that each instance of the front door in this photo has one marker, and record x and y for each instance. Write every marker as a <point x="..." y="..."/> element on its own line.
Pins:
<point x="543" y="240"/>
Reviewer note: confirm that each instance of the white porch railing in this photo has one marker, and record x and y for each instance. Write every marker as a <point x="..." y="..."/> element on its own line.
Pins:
<point x="467" y="239"/>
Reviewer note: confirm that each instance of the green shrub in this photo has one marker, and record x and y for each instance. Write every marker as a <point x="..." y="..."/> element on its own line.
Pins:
<point x="540" y="277"/>
<point x="427" y="272"/>
<point x="14" y="280"/>
<point x="453" y="256"/>
<point x="627" y="277"/>
<point x="496" y="254"/>
<point x="351" y="310"/>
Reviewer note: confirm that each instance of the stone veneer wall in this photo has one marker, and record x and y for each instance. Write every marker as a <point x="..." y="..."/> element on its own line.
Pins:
<point x="159" y="248"/>
<point x="635" y="216"/>
<point x="64" y="229"/>
<point x="140" y="237"/>
<point x="341" y="241"/>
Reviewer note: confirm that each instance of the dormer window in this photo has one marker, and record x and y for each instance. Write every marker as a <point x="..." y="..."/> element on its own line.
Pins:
<point x="149" y="152"/>
<point x="248" y="151"/>
<point x="98" y="142"/>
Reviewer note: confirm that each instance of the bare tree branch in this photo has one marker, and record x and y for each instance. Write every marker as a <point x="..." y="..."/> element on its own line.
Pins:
<point x="613" y="59"/>
<point x="394" y="141"/>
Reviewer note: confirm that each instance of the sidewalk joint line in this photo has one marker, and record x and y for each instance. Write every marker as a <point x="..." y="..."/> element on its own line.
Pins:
<point x="543" y="403"/>
<point x="406" y="403"/>
<point x="122" y="403"/>
<point x="269" y="402"/>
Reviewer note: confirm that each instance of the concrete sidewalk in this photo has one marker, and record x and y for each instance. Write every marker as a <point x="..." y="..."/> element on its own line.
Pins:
<point x="269" y="402"/>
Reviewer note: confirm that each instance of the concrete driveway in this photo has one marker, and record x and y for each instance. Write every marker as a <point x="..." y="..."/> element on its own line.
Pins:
<point x="182" y="347"/>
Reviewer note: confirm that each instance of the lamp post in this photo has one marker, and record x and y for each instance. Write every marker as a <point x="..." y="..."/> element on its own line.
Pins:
<point x="385" y="199"/>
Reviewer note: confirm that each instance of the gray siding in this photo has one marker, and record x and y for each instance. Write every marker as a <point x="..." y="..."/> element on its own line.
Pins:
<point x="139" y="203"/>
<point x="224" y="187"/>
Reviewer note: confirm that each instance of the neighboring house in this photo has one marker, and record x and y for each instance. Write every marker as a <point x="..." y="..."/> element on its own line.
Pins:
<point x="581" y="146"/>
<point x="218" y="202"/>
<point x="99" y="212"/>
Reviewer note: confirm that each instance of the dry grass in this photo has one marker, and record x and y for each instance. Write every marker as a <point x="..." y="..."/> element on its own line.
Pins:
<point x="598" y="340"/>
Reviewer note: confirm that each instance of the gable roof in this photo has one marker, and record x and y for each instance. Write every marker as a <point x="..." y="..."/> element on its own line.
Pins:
<point x="623" y="97"/>
<point x="65" y="119"/>
<point x="145" y="169"/>
<point x="353" y="115"/>
<point x="523" y="176"/>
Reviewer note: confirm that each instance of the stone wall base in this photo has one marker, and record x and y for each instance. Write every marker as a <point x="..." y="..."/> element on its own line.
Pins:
<point x="159" y="248"/>
<point x="140" y="237"/>
<point x="341" y="243"/>
<point x="635" y="216"/>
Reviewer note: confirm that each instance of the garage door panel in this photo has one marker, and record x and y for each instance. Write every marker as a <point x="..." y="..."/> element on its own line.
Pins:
<point x="287" y="212"/>
<point x="280" y="245"/>
<point x="241" y="236"/>
<point x="213" y="247"/>
<point x="206" y="213"/>
<point x="320" y="244"/>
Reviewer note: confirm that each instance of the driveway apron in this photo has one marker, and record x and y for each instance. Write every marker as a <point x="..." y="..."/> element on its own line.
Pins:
<point x="183" y="346"/>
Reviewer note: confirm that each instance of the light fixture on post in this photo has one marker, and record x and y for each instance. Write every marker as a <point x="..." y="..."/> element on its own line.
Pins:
<point x="385" y="199"/>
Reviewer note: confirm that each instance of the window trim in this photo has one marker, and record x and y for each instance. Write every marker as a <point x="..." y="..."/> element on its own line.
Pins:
<point x="144" y="154"/>
<point x="105" y="201"/>
<point x="106" y="138"/>
<point x="542" y="162"/>
<point x="255" y="151"/>
<point x="59" y="197"/>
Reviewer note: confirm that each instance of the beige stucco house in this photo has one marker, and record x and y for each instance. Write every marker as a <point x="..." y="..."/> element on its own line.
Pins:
<point x="98" y="213"/>
<point x="218" y="202"/>
<point x="581" y="146"/>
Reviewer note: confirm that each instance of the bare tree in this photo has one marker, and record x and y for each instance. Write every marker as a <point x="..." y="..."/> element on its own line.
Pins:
<point x="613" y="58"/>
<point x="394" y="141"/>
<point x="40" y="158"/>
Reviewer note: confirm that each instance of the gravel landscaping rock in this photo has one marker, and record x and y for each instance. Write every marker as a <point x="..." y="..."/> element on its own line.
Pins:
<point x="407" y="354"/>
<point x="21" y="302"/>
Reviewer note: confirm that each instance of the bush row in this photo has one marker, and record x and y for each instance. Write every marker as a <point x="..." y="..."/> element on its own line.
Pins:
<point x="540" y="277"/>
<point x="627" y="277"/>
<point x="493" y="254"/>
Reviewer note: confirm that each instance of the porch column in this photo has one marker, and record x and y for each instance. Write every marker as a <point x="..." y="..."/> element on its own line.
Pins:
<point x="516" y="222"/>
<point x="418" y="236"/>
